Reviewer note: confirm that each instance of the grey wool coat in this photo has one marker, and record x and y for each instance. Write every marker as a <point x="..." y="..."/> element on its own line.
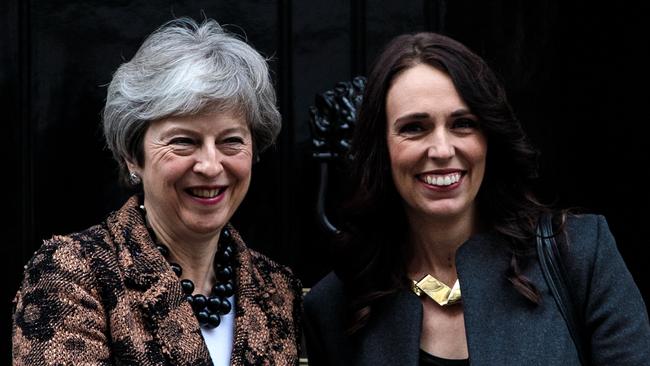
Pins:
<point x="502" y="327"/>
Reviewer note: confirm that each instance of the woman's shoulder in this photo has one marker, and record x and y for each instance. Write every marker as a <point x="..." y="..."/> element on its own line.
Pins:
<point x="585" y="224"/>
<point x="326" y="292"/>
<point x="261" y="266"/>
<point x="97" y="238"/>
<point x="589" y="249"/>
<point x="269" y="266"/>
<point x="66" y="256"/>
<point x="587" y="233"/>
<point x="72" y="256"/>
<point x="67" y="247"/>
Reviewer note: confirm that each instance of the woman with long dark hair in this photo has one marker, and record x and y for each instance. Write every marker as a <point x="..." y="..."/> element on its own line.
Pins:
<point x="439" y="265"/>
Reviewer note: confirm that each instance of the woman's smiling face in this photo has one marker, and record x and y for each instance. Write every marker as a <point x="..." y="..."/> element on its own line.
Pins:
<point x="196" y="171"/>
<point x="437" y="151"/>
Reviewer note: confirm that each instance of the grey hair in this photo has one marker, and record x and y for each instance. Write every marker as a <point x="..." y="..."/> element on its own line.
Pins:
<point x="183" y="69"/>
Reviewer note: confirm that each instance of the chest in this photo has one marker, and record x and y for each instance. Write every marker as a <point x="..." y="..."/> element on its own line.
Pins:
<point x="443" y="330"/>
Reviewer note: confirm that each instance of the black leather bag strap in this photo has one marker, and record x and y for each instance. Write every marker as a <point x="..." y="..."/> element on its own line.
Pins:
<point x="555" y="275"/>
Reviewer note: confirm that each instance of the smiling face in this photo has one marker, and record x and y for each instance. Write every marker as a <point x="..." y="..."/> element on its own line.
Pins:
<point x="196" y="172"/>
<point x="437" y="152"/>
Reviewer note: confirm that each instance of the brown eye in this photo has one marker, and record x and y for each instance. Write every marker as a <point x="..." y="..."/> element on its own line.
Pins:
<point x="465" y="123"/>
<point x="184" y="141"/>
<point x="410" y="128"/>
<point x="234" y="140"/>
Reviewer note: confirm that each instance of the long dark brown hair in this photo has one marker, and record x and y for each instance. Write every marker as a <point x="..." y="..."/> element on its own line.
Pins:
<point x="373" y="263"/>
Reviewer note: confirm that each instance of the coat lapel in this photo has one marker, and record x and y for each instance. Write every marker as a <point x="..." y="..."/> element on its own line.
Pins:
<point x="504" y="328"/>
<point x="267" y="310"/>
<point x="168" y="317"/>
<point x="394" y="337"/>
<point x="250" y="318"/>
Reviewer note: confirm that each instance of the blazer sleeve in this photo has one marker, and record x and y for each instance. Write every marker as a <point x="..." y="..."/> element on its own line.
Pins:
<point x="615" y="313"/>
<point x="58" y="318"/>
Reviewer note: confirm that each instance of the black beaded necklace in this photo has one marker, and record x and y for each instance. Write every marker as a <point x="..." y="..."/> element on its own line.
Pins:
<point x="208" y="310"/>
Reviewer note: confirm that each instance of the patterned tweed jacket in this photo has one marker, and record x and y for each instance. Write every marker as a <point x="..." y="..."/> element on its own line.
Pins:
<point x="106" y="296"/>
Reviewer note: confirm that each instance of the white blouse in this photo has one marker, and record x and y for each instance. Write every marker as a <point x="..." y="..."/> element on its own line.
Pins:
<point x="220" y="339"/>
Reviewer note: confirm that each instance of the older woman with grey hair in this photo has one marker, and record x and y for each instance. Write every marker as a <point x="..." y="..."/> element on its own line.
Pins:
<point x="166" y="279"/>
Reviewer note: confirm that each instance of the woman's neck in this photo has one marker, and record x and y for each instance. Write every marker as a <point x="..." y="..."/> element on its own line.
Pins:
<point x="195" y="254"/>
<point x="434" y="243"/>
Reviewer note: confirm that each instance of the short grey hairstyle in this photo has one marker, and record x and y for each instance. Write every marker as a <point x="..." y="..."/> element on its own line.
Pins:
<point x="183" y="69"/>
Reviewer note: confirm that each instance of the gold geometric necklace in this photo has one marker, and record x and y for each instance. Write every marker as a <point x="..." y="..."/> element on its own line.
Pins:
<point x="437" y="291"/>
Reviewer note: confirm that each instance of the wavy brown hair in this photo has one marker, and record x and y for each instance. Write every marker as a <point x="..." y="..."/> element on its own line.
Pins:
<point x="373" y="264"/>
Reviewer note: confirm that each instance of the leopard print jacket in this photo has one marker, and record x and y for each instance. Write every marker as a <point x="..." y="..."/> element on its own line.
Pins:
<point x="106" y="296"/>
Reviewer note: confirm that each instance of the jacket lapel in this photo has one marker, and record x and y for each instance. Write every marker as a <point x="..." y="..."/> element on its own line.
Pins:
<point x="250" y="317"/>
<point x="503" y="328"/>
<point x="167" y="315"/>
<point x="481" y="266"/>
<point x="173" y="324"/>
<point x="394" y="337"/>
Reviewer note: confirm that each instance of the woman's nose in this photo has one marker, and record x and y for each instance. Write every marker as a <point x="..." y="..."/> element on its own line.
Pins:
<point x="440" y="146"/>
<point x="208" y="162"/>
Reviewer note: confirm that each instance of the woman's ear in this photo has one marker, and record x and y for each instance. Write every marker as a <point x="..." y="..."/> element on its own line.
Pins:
<point x="133" y="168"/>
<point x="135" y="176"/>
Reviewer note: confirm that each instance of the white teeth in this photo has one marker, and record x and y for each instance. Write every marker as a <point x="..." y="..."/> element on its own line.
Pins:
<point x="205" y="193"/>
<point x="442" y="180"/>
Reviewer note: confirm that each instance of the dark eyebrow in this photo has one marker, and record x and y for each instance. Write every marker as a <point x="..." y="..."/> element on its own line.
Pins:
<point x="461" y="112"/>
<point x="413" y="116"/>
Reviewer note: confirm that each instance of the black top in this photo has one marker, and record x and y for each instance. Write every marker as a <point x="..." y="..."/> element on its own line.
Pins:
<point x="427" y="359"/>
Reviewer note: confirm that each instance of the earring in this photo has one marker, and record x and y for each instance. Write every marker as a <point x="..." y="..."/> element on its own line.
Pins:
<point x="134" y="178"/>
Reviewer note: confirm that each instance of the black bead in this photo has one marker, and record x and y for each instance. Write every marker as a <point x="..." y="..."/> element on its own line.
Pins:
<point x="225" y="233"/>
<point x="219" y="290"/>
<point x="163" y="250"/>
<point x="224" y="273"/>
<point x="188" y="286"/>
<point x="177" y="269"/>
<point x="199" y="302"/>
<point x="228" y="250"/>
<point x="225" y="255"/>
<point x="214" y="304"/>
<point x="208" y="310"/>
<point x="225" y="307"/>
<point x="230" y="289"/>
<point x="202" y="316"/>
<point x="214" y="320"/>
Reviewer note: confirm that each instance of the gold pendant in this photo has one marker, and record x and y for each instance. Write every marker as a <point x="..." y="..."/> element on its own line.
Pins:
<point x="437" y="291"/>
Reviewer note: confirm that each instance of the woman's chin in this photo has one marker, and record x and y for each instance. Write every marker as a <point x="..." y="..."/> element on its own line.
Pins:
<point x="205" y="228"/>
<point x="442" y="210"/>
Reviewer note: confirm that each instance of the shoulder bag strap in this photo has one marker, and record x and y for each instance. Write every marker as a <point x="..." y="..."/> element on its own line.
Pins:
<point x="555" y="275"/>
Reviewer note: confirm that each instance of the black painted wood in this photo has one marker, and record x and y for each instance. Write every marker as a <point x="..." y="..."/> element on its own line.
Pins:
<point x="17" y="155"/>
